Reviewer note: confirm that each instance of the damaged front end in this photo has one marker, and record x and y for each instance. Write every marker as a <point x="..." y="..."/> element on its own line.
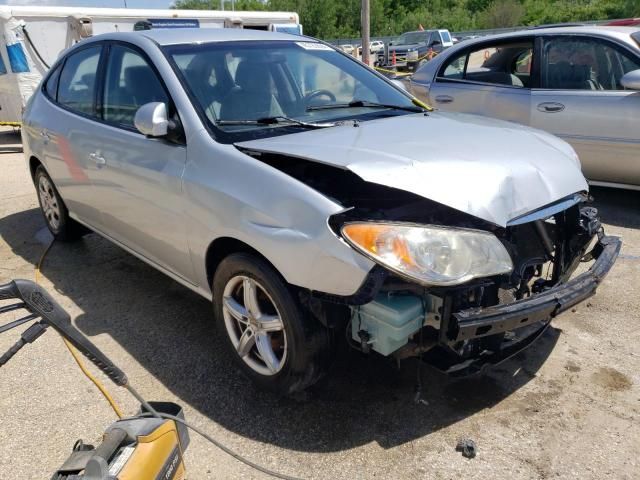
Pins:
<point x="463" y="328"/>
<point x="459" y="324"/>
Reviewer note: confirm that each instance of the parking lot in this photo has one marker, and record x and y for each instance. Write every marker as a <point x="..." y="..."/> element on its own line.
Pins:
<point x="569" y="407"/>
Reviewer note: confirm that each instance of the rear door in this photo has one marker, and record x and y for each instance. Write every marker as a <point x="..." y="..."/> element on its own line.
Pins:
<point x="582" y="101"/>
<point x="139" y="182"/>
<point x="68" y="113"/>
<point x="492" y="79"/>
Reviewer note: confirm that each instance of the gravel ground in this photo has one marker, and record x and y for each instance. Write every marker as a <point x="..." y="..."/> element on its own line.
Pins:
<point x="568" y="407"/>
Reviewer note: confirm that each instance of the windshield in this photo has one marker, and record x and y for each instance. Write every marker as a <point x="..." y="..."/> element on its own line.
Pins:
<point x="412" y="37"/>
<point x="238" y="86"/>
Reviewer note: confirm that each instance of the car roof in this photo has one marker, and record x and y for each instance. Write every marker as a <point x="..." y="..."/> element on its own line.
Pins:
<point x="181" y="36"/>
<point x="615" y="31"/>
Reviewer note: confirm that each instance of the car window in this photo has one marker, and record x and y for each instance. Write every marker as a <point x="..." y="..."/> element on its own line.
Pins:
<point x="77" y="81"/>
<point x="51" y="86"/>
<point x="503" y="64"/>
<point x="585" y="64"/>
<point x="130" y="82"/>
<point x="235" y="84"/>
<point x="412" y="37"/>
<point x="454" y="68"/>
<point x="243" y="83"/>
<point x="498" y="64"/>
<point x="506" y="64"/>
<point x="445" y="36"/>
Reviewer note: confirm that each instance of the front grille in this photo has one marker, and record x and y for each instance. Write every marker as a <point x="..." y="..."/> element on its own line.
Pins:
<point x="400" y="57"/>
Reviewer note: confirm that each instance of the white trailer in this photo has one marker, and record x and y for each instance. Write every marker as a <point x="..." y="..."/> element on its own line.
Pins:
<point x="34" y="37"/>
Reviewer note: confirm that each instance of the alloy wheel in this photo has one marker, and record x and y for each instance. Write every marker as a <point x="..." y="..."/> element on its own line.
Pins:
<point x="49" y="203"/>
<point x="254" y="325"/>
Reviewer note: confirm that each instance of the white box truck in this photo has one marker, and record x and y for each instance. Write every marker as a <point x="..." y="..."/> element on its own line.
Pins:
<point x="34" y="37"/>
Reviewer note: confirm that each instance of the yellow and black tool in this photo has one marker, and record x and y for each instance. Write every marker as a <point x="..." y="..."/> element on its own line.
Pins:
<point x="148" y="446"/>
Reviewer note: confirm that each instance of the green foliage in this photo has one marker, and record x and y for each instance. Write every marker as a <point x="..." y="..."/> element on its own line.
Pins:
<point x="502" y="13"/>
<point x="341" y="18"/>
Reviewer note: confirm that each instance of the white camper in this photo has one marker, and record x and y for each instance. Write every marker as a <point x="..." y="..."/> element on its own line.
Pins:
<point x="34" y="37"/>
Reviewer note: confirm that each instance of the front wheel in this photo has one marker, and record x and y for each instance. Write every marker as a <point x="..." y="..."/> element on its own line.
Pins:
<point x="269" y="336"/>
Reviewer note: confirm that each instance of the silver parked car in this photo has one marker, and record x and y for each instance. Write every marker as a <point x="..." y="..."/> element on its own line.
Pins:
<point x="268" y="172"/>
<point x="579" y="83"/>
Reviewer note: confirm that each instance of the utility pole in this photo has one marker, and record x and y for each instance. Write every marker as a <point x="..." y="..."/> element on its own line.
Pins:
<point x="365" y="21"/>
<point x="222" y="5"/>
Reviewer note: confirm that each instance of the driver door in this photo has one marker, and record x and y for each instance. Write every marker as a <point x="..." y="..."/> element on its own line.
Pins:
<point x="138" y="183"/>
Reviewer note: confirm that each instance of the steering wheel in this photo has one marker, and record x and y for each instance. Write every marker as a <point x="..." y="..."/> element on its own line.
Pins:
<point x="309" y="97"/>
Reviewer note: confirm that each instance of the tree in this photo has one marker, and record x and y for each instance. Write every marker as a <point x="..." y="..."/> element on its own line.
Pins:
<point x="503" y="13"/>
<point x="332" y="19"/>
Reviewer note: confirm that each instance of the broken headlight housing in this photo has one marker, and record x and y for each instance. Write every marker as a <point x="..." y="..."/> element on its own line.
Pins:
<point x="431" y="255"/>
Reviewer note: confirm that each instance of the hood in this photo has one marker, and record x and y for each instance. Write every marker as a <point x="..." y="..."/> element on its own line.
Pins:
<point x="488" y="168"/>
<point x="408" y="46"/>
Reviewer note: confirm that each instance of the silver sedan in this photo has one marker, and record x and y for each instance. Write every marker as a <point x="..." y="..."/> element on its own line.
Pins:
<point x="579" y="83"/>
<point x="298" y="190"/>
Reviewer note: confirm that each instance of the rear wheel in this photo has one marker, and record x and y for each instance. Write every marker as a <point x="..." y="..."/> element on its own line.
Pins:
<point x="269" y="336"/>
<point x="55" y="212"/>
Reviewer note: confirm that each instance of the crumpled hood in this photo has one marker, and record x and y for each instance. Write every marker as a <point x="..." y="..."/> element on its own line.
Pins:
<point x="488" y="168"/>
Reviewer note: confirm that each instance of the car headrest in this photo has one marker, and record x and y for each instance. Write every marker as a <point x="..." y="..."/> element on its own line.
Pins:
<point x="253" y="76"/>
<point x="139" y="77"/>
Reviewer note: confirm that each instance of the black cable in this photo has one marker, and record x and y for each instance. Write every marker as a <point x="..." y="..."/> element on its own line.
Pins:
<point x="35" y="50"/>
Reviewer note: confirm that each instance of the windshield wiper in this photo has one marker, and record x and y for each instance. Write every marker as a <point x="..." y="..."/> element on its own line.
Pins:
<point x="275" y="120"/>
<point x="366" y="104"/>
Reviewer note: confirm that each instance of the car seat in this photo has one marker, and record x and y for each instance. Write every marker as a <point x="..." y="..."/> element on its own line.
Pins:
<point x="252" y="97"/>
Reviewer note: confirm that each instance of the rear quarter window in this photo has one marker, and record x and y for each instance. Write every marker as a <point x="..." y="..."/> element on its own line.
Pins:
<point x="51" y="85"/>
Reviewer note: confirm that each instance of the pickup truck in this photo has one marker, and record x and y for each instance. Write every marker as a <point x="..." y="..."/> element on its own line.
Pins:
<point x="411" y="48"/>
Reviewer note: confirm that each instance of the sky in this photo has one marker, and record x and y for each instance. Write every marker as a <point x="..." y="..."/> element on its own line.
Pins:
<point x="92" y="3"/>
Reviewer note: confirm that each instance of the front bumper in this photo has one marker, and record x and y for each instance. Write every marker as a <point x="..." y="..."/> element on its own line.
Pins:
<point x="527" y="318"/>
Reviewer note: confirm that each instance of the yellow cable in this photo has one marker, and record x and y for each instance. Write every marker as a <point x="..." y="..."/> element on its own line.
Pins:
<point x="96" y="382"/>
<point x="74" y="352"/>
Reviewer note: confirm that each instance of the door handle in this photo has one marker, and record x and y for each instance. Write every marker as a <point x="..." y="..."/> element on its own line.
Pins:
<point x="99" y="159"/>
<point x="444" y="99"/>
<point x="550" y="107"/>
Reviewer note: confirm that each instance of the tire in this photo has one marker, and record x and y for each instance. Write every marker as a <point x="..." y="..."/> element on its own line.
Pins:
<point x="54" y="211"/>
<point x="300" y="349"/>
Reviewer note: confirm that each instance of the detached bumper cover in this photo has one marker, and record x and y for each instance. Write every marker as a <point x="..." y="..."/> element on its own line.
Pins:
<point x="530" y="316"/>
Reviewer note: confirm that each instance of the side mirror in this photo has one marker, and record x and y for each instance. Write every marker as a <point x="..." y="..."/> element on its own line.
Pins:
<point x="631" y="80"/>
<point x="436" y="42"/>
<point x="151" y="119"/>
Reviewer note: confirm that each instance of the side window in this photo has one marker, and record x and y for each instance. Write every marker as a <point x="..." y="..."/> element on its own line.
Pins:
<point x="130" y="82"/>
<point x="584" y="64"/>
<point x="51" y="85"/>
<point x="454" y="68"/>
<point x="506" y="64"/>
<point x="77" y="81"/>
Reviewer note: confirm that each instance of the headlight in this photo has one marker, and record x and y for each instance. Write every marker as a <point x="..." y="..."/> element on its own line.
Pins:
<point x="412" y="56"/>
<point x="432" y="255"/>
